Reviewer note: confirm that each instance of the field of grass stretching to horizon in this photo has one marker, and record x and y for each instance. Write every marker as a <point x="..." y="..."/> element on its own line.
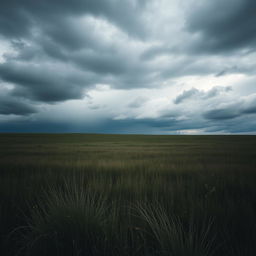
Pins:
<point x="127" y="195"/>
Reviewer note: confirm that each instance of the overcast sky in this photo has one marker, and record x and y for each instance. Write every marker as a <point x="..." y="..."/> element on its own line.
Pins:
<point x="128" y="66"/>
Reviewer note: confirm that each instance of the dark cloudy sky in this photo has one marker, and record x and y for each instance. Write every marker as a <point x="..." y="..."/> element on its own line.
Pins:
<point x="128" y="66"/>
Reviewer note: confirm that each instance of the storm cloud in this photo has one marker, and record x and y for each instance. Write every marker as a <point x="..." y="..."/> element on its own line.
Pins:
<point x="224" y="25"/>
<point x="195" y="93"/>
<point x="246" y="105"/>
<point x="10" y="105"/>
<point x="123" y="66"/>
<point x="18" y="18"/>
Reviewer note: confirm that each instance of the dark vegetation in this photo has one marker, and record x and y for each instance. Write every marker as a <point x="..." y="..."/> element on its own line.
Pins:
<point x="127" y="195"/>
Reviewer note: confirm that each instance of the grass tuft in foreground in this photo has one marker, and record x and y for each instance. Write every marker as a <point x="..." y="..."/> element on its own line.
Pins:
<point x="175" y="237"/>
<point x="69" y="221"/>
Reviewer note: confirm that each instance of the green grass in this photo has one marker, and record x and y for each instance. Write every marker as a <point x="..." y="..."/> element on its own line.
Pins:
<point x="103" y="195"/>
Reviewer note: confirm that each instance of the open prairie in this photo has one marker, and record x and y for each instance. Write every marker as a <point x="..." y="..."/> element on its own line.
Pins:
<point x="131" y="195"/>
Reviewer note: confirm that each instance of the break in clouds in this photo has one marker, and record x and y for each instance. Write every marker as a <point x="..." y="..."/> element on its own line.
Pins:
<point x="128" y="66"/>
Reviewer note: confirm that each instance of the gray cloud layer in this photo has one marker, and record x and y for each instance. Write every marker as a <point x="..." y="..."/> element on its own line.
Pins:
<point x="195" y="93"/>
<point x="228" y="111"/>
<point x="62" y="49"/>
<point x="28" y="14"/>
<point x="11" y="105"/>
<point x="224" y="25"/>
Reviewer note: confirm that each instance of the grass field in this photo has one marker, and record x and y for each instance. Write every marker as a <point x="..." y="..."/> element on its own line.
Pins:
<point x="127" y="195"/>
